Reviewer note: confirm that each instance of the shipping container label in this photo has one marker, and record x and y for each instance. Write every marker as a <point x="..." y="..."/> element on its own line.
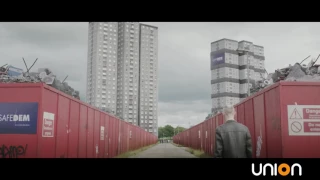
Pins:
<point x="48" y="125"/>
<point x="18" y="118"/>
<point x="102" y="133"/>
<point x="304" y="120"/>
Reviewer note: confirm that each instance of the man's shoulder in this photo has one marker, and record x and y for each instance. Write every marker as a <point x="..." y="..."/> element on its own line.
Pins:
<point x="233" y="124"/>
<point x="242" y="125"/>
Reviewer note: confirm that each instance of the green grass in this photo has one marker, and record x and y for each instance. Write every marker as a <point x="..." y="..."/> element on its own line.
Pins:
<point x="178" y="145"/>
<point x="198" y="153"/>
<point x="134" y="152"/>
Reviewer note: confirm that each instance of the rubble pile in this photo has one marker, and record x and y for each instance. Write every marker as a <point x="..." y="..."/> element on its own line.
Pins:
<point x="261" y="84"/>
<point x="297" y="72"/>
<point x="10" y="74"/>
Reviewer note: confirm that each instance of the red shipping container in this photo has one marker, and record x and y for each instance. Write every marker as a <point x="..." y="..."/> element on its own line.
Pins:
<point x="53" y="124"/>
<point x="283" y="120"/>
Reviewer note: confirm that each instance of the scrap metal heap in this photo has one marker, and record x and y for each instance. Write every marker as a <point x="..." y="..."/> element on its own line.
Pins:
<point x="10" y="74"/>
<point x="297" y="72"/>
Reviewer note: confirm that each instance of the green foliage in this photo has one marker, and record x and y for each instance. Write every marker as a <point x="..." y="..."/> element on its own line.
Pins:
<point x="169" y="131"/>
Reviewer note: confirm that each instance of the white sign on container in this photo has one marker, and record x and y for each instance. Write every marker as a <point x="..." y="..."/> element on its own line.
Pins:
<point x="304" y="120"/>
<point x="102" y="133"/>
<point x="48" y="125"/>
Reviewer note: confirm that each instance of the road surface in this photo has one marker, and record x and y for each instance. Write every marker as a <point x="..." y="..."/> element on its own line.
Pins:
<point x="164" y="150"/>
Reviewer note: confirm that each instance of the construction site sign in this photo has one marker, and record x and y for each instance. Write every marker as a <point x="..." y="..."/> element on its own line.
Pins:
<point x="304" y="120"/>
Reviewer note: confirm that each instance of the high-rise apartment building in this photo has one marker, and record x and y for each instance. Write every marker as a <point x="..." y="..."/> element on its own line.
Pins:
<point x="148" y="94"/>
<point x="122" y="71"/>
<point x="230" y="69"/>
<point x="102" y="65"/>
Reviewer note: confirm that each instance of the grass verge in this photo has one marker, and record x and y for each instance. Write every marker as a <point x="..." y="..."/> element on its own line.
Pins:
<point x="135" y="152"/>
<point x="178" y="145"/>
<point x="198" y="153"/>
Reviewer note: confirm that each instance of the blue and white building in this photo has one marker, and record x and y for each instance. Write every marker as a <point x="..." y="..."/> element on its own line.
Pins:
<point x="229" y="71"/>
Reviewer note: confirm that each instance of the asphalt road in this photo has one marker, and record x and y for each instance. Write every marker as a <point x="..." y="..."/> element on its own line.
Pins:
<point x="164" y="150"/>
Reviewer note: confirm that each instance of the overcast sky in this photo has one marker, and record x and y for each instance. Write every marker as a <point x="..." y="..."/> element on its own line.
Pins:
<point x="184" y="56"/>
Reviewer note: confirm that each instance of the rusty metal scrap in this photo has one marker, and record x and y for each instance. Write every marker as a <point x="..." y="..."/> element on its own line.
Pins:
<point x="43" y="75"/>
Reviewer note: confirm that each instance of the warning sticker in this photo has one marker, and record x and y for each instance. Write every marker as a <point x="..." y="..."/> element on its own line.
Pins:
<point x="304" y="120"/>
<point x="48" y="125"/>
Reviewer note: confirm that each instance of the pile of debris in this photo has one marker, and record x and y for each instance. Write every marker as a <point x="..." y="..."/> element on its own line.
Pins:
<point x="10" y="74"/>
<point x="297" y="72"/>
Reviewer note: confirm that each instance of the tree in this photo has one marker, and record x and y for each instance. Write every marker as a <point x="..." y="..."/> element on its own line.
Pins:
<point x="160" y="132"/>
<point x="179" y="129"/>
<point x="169" y="131"/>
<point x="166" y="131"/>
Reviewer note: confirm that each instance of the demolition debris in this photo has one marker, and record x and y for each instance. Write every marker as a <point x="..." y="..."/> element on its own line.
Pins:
<point x="10" y="74"/>
<point x="297" y="72"/>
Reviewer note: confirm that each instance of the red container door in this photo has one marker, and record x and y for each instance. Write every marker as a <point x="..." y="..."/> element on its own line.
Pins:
<point x="116" y="137"/>
<point x="207" y="137"/>
<point x="236" y="115"/>
<point x="216" y="124"/>
<point x="273" y="124"/>
<point x="90" y="143"/>
<point x="102" y="136"/>
<point x="73" y="141"/>
<point x="83" y="132"/>
<point x="62" y="127"/>
<point x="220" y="119"/>
<point x="107" y="136"/>
<point x="297" y="99"/>
<point x="240" y="116"/>
<point x="213" y="139"/>
<point x="203" y="137"/>
<point x="132" y="140"/>
<point x="196" y="137"/>
<point x="47" y="142"/>
<point x="210" y="134"/>
<point x="96" y="133"/>
<point x="111" y="136"/>
<point x="130" y="137"/>
<point x="260" y="135"/>
<point x="127" y="137"/>
<point x="136" y="137"/>
<point x="199" y="137"/>
<point x="121" y="137"/>
<point x="249" y="122"/>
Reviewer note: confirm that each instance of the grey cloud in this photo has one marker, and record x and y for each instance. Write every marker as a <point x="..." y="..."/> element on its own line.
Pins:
<point x="61" y="47"/>
<point x="184" y="56"/>
<point x="183" y="113"/>
<point x="46" y="35"/>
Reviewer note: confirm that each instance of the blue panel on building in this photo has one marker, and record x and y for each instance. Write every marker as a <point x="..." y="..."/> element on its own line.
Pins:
<point x="217" y="59"/>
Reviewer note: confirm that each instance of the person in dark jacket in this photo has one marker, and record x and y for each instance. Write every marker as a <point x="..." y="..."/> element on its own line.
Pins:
<point x="233" y="140"/>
